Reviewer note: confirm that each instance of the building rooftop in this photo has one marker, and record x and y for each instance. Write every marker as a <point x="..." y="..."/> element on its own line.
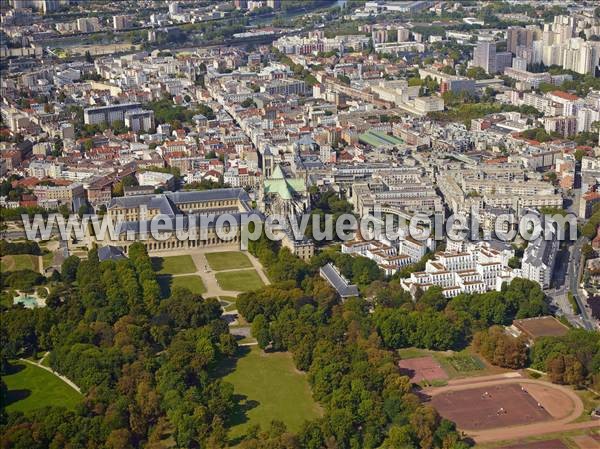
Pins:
<point x="338" y="282"/>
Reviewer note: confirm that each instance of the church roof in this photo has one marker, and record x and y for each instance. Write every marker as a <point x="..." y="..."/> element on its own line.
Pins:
<point x="282" y="186"/>
<point x="278" y="173"/>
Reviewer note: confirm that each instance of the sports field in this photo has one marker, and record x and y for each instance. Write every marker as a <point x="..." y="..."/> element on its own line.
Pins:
<point x="31" y="387"/>
<point x="454" y="364"/>
<point x="267" y="386"/>
<point x="422" y="369"/>
<point x="227" y="260"/>
<point x="490" y="407"/>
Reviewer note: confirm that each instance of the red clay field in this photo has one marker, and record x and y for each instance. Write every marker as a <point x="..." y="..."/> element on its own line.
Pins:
<point x="509" y="407"/>
<point x="550" y="444"/>
<point x="422" y="368"/>
<point x="490" y="407"/>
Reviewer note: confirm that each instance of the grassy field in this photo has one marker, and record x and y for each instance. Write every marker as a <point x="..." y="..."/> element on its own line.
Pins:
<point x="19" y="262"/>
<point x="227" y="260"/>
<point x="268" y="387"/>
<point x="192" y="282"/>
<point x="47" y="259"/>
<point x="31" y="387"/>
<point x="239" y="281"/>
<point x="173" y="265"/>
<point x="464" y="362"/>
<point x="564" y="436"/>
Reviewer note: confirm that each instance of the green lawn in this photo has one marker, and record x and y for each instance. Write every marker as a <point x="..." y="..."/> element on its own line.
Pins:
<point x="47" y="259"/>
<point x="31" y="387"/>
<point x="174" y="265"/>
<point x="192" y="282"/>
<point x="228" y="260"/>
<point x="268" y="387"/>
<point x="19" y="262"/>
<point x="239" y="281"/>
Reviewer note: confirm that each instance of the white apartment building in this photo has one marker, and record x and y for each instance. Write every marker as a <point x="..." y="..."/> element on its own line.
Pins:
<point x="477" y="270"/>
<point x="390" y="257"/>
<point x="538" y="261"/>
<point x="585" y="117"/>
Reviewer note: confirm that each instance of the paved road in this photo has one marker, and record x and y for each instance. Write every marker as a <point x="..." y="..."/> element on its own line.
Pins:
<point x="574" y="274"/>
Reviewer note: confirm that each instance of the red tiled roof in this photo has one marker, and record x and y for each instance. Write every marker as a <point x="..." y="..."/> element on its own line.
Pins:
<point x="564" y="95"/>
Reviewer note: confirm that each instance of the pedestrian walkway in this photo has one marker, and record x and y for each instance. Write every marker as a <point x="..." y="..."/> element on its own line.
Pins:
<point x="66" y="380"/>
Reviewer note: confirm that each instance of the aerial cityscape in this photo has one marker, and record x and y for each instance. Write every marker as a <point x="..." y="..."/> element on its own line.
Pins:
<point x="299" y="224"/>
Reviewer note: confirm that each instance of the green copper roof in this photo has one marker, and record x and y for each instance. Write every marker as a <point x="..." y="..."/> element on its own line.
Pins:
<point x="277" y="173"/>
<point x="284" y="187"/>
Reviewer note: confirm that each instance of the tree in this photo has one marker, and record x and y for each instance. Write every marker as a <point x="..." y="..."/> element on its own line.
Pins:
<point x="118" y="127"/>
<point x="514" y="262"/>
<point x="260" y="331"/>
<point x="68" y="270"/>
<point x="343" y="79"/>
<point x="127" y="181"/>
<point x="247" y="103"/>
<point x="579" y="155"/>
<point x="501" y="349"/>
<point x="477" y="73"/>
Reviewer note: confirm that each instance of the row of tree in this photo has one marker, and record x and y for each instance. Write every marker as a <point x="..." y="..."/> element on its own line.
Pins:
<point x="24" y="247"/>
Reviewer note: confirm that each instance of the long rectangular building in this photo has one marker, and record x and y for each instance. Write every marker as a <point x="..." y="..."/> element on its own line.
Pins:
<point x="108" y="114"/>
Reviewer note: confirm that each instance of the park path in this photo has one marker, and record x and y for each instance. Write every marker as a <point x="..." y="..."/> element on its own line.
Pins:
<point x="563" y="424"/>
<point x="66" y="380"/>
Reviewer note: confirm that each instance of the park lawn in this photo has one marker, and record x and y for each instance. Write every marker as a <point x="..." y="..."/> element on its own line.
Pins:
<point x="192" y="282"/>
<point x="174" y="265"/>
<point x="31" y="387"/>
<point x="19" y="262"/>
<point x="239" y="281"/>
<point x="267" y="386"/>
<point x="47" y="259"/>
<point x="228" y="260"/>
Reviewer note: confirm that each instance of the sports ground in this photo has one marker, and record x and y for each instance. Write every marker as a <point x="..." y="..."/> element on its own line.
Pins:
<point x="508" y="407"/>
<point x="422" y="369"/>
<point x="490" y="406"/>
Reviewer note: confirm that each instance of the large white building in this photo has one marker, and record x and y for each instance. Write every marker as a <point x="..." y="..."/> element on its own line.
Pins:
<point x="471" y="268"/>
<point x="108" y="114"/>
<point x="390" y="257"/>
<point x="539" y="259"/>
